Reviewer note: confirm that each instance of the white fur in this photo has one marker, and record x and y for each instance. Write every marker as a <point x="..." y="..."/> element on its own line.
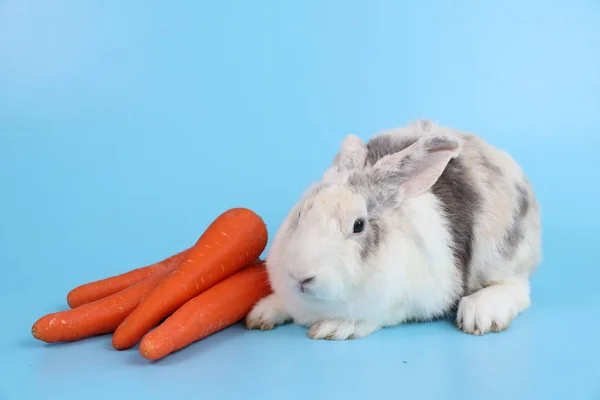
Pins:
<point x="412" y="275"/>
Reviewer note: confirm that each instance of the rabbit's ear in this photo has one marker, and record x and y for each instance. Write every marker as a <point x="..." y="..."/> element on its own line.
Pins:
<point x="351" y="156"/>
<point x="415" y="169"/>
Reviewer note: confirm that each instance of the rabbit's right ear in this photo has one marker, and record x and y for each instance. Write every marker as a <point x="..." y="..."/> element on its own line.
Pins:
<point x="351" y="156"/>
<point x="415" y="169"/>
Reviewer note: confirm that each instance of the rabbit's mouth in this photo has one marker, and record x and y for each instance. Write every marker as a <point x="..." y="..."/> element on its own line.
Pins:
<point x="304" y="285"/>
<point x="316" y="289"/>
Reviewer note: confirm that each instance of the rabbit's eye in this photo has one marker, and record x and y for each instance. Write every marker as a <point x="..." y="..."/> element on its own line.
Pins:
<point x="359" y="225"/>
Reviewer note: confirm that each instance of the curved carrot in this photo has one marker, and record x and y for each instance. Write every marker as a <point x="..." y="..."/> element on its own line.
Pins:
<point x="232" y="241"/>
<point x="105" y="287"/>
<point x="223" y="305"/>
<point x="95" y="318"/>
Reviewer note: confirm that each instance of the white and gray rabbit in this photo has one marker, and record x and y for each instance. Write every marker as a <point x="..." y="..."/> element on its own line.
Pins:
<point x="418" y="223"/>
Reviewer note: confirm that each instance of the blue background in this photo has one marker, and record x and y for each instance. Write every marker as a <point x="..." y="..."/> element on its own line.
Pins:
<point x="127" y="126"/>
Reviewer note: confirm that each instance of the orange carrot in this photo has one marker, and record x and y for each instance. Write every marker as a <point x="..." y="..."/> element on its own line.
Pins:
<point x="105" y="287"/>
<point x="232" y="241"/>
<point x="221" y="306"/>
<point x="95" y="318"/>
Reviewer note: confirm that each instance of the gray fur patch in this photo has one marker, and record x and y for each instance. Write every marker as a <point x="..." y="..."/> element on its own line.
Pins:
<point x="460" y="203"/>
<point x="372" y="238"/>
<point x="514" y="235"/>
<point x="376" y="187"/>
<point x="379" y="147"/>
<point x="493" y="169"/>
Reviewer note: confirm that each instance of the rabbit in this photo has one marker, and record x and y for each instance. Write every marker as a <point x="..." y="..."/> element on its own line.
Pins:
<point x="422" y="222"/>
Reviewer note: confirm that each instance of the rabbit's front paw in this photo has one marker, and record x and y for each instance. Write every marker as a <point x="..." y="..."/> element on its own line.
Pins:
<point x="266" y="314"/>
<point x="493" y="308"/>
<point x="340" y="330"/>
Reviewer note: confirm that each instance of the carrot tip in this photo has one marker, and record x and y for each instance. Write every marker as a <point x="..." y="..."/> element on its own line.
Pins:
<point x="117" y="346"/>
<point x="146" y="350"/>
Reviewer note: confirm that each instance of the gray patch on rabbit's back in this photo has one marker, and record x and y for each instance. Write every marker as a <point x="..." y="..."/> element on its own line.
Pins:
<point x="490" y="167"/>
<point x="460" y="202"/>
<point x="492" y="171"/>
<point x="515" y="235"/>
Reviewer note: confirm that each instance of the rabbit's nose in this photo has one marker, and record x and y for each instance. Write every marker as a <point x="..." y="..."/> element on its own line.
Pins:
<point x="304" y="282"/>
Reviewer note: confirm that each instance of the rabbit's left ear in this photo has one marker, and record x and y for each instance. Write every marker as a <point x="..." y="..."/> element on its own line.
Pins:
<point x="415" y="169"/>
<point x="351" y="156"/>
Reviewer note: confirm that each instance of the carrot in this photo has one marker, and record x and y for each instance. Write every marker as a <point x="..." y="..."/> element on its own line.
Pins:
<point x="94" y="318"/>
<point x="232" y="241"/>
<point x="221" y="306"/>
<point x="105" y="287"/>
